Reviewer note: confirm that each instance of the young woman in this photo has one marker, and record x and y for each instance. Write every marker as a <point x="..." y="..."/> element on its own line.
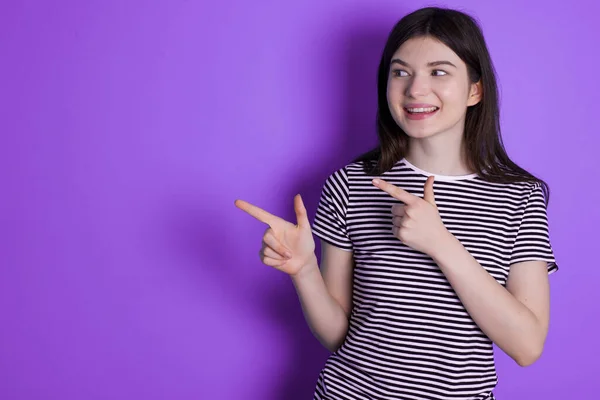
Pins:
<point x="435" y="244"/>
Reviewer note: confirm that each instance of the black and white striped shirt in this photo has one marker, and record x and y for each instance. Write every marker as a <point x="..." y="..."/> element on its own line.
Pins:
<point x="410" y="337"/>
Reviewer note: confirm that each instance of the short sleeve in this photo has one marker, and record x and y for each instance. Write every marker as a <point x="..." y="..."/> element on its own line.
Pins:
<point x="330" y="219"/>
<point x="532" y="242"/>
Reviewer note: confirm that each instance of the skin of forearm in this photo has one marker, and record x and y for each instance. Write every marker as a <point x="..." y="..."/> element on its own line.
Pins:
<point x="503" y="318"/>
<point x="325" y="316"/>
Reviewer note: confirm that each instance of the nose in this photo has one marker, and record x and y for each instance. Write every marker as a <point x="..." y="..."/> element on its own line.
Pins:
<point x="418" y="86"/>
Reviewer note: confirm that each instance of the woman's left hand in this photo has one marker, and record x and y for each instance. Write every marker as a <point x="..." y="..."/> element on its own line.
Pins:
<point x="417" y="222"/>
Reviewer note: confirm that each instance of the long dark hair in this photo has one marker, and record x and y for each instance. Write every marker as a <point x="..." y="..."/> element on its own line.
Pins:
<point x="486" y="154"/>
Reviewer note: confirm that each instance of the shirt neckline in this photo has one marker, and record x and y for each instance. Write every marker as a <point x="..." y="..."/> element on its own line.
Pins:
<point x="438" y="176"/>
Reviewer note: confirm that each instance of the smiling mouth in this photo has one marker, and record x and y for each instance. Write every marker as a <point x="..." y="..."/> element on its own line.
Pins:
<point x="421" y="110"/>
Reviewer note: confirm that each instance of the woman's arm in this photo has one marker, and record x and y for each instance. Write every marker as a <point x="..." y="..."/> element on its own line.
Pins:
<point x="326" y="295"/>
<point x="515" y="318"/>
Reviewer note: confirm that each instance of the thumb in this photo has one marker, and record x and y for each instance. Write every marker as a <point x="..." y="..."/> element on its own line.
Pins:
<point x="301" y="215"/>
<point x="428" y="195"/>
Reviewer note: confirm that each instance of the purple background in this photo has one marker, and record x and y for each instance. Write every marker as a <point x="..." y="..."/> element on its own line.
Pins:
<point x="129" y="128"/>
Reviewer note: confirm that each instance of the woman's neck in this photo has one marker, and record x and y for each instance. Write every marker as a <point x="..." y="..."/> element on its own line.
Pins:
<point x="440" y="157"/>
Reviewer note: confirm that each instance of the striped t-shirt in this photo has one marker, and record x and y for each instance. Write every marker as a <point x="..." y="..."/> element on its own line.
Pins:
<point x="409" y="335"/>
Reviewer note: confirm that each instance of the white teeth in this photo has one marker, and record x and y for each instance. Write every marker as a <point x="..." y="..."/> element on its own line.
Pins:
<point x="420" y="110"/>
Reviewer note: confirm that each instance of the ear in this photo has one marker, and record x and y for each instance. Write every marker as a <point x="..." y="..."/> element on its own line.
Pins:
<point x="475" y="94"/>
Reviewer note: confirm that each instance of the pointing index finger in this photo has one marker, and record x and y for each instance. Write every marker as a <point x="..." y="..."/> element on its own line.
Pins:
<point x="256" y="212"/>
<point x="395" y="191"/>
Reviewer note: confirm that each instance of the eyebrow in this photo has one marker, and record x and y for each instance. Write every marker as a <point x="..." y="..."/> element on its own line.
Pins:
<point x="430" y="64"/>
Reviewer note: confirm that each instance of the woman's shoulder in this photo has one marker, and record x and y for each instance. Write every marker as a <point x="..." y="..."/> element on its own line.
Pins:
<point x="516" y="193"/>
<point x="349" y="170"/>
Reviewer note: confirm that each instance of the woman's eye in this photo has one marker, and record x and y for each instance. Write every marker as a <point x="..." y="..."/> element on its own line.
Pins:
<point x="439" y="72"/>
<point x="400" y="72"/>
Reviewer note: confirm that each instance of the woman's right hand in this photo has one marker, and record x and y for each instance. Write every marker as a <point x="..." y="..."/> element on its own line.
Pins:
<point x="285" y="246"/>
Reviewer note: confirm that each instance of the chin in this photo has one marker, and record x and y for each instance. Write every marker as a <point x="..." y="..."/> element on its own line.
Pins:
<point x="419" y="134"/>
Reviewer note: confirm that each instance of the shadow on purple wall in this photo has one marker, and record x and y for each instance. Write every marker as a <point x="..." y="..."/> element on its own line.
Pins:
<point x="359" y="50"/>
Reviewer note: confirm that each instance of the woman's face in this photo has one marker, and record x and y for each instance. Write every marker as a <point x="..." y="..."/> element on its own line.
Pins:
<point x="428" y="89"/>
